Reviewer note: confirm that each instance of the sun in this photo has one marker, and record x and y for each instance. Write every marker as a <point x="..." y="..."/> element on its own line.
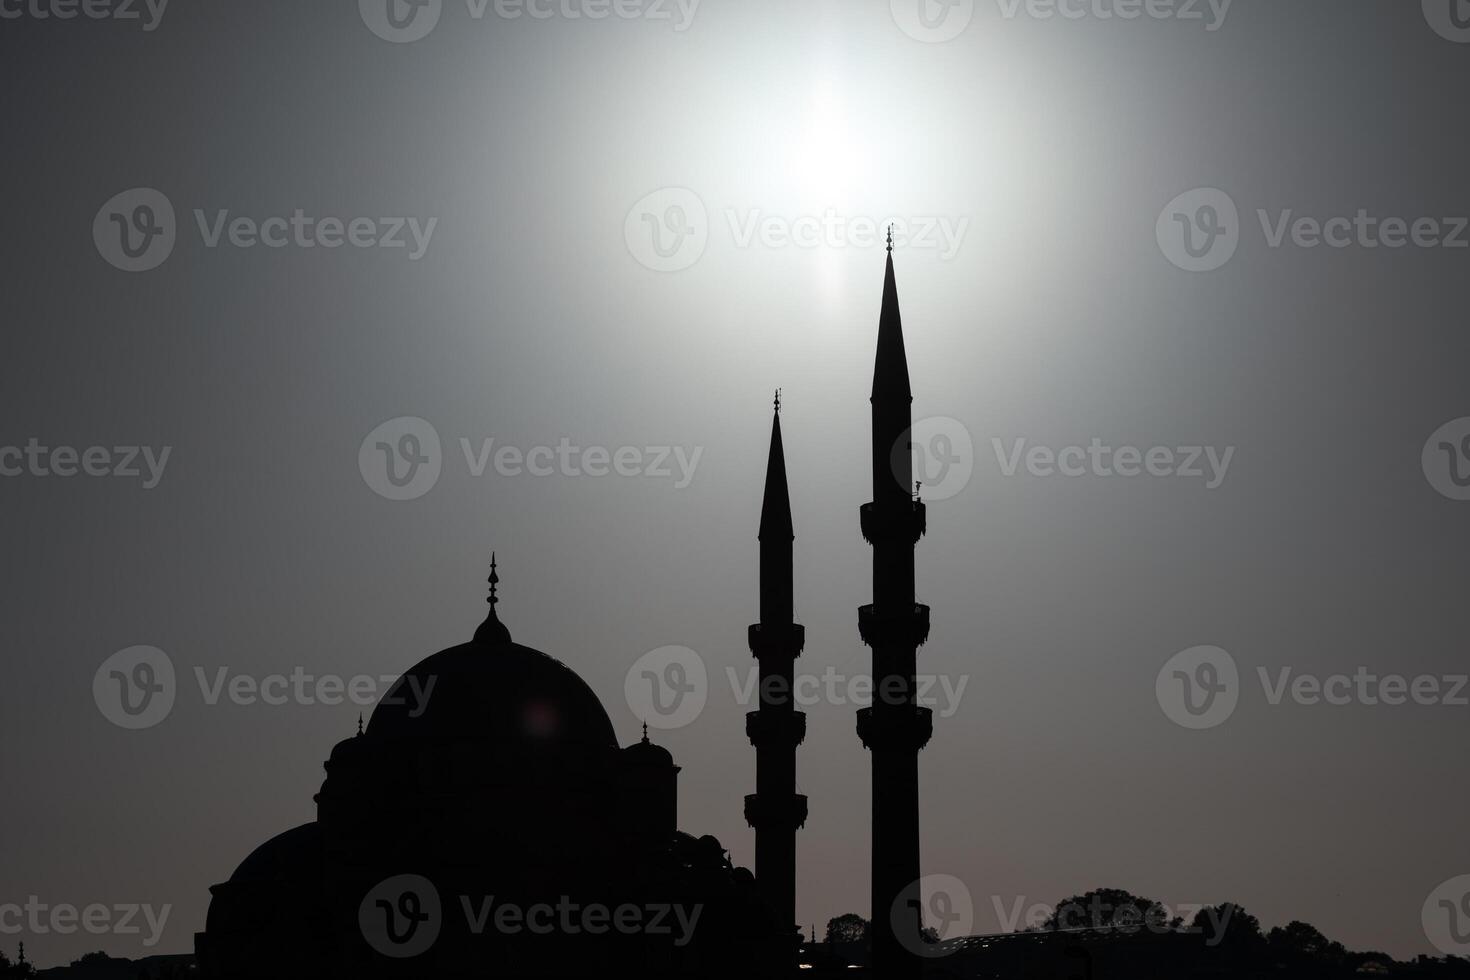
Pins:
<point x="830" y="162"/>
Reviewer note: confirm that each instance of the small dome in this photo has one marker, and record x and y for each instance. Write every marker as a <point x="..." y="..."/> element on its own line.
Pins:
<point x="645" y="753"/>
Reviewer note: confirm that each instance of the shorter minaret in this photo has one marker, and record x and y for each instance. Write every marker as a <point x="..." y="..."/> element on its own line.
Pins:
<point x="776" y="810"/>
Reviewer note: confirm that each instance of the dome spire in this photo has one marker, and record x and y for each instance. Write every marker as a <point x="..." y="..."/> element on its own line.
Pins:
<point x="492" y="631"/>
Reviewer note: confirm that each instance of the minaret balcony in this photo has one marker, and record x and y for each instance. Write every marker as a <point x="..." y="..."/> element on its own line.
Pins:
<point x="906" y="526"/>
<point x="895" y="726"/>
<point x="886" y="631"/>
<point x="784" y="641"/>
<point x="771" y="727"/>
<point x="775" y="813"/>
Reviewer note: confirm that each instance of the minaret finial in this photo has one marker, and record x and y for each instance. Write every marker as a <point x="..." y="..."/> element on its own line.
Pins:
<point x="890" y="238"/>
<point x="778" y="401"/>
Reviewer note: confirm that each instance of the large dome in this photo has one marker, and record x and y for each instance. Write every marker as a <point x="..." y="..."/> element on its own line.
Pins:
<point x="497" y="689"/>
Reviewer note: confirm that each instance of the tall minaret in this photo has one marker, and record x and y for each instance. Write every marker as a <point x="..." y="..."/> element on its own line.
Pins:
<point x="895" y="728"/>
<point x="775" y="809"/>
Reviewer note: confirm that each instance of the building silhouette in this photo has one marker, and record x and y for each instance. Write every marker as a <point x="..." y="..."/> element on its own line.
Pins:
<point x="490" y="772"/>
<point x="505" y="781"/>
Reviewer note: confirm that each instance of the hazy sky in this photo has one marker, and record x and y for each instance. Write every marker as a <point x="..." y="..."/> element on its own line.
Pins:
<point x="1047" y="148"/>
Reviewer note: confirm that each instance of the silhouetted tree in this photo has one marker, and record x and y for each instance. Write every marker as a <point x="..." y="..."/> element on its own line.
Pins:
<point x="1229" y="926"/>
<point x="1298" y="939"/>
<point x="847" y="928"/>
<point x="1108" y="908"/>
<point x="18" y="969"/>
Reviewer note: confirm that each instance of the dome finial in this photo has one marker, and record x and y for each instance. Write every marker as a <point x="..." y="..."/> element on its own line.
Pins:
<point x="359" y="723"/>
<point x="645" y="733"/>
<point x="491" y="631"/>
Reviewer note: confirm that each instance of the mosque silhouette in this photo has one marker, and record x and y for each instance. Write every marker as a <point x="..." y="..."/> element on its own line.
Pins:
<point x="485" y="821"/>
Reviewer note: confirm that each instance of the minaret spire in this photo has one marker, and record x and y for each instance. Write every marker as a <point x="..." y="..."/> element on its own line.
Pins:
<point x="895" y="728"/>
<point x="492" y="631"/>
<point x="775" y="809"/>
<point x="776" y="504"/>
<point x="891" y="362"/>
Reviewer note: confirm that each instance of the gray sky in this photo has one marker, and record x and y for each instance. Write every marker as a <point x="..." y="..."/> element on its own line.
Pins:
<point x="1048" y="148"/>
